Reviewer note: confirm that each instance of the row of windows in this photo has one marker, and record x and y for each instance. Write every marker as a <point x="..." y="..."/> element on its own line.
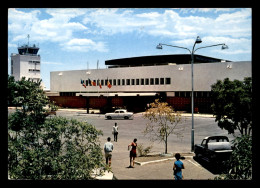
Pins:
<point x="204" y="94"/>
<point x="128" y="82"/>
<point x="34" y="70"/>
<point x="196" y="94"/>
<point x="34" y="62"/>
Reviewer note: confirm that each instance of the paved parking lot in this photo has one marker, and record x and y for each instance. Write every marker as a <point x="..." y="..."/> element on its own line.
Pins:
<point x="130" y="129"/>
<point x="162" y="171"/>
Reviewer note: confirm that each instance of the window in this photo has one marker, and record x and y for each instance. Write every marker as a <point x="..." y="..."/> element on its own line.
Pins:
<point x="118" y="82"/>
<point x="67" y="94"/>
<point x="203" y="143"/>
<point x="12" y="67"/>
<point x="156" y="81"/>
<point x="34" y="62"/>
<point x="34" y="70"/>
<point x="146" y="81"/>
<point x="182" y="94"/>
<point x="98" y="82"/>
<point x="137" y="81"/>
<point x="102" y="82"/>
<point x="142" y="81"/>
<point x="132" y="81"/>
<point x="151" y="81"/>
<point x="128" y="82"/>
<point x="114" y="82"/>
<point x="162" y="81"/>
<point x="168" y="80"/>
<point x="123" y="82"/>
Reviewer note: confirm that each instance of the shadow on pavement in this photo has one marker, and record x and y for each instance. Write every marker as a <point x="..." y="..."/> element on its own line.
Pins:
<point x="210" y="166"/>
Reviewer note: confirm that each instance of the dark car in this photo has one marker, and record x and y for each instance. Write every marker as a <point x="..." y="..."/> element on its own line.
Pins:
<point x="215" y="149"/>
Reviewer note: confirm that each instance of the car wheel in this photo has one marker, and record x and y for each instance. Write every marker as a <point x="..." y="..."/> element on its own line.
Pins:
<point x="109" y="117"/>
<point x="126" y="117"/>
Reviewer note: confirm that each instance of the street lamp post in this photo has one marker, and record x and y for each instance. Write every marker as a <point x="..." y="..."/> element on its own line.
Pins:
<point x="198" y="40"/>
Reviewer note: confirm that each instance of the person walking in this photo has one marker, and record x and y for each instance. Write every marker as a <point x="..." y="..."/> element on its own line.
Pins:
<point x="108" y="148"/>
<point x="132" y="152"/>
<point x="177" y="167"/>
<point x="115" y="131"/>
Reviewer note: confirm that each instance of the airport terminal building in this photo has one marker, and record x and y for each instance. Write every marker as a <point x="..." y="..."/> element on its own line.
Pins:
<point x="134" y="82"/>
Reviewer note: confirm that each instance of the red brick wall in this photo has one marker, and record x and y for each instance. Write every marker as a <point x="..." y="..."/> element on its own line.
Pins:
<point x="69" y="101"/>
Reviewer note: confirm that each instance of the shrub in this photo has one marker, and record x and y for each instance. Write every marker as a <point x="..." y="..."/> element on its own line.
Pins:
<point x="143" y="151"/>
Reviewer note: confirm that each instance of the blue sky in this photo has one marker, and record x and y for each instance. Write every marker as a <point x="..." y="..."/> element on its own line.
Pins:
<point x="74" y="39"/>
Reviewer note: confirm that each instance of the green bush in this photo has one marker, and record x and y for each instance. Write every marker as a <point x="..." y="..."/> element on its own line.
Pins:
<point x="63" y="149"/>
<point x="239" y="167"/>
<point x="41" y="148"/>
<point x="143" y="151"/>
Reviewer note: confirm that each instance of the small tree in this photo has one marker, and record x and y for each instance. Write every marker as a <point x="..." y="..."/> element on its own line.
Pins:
<point x="239" y="167"/>
<point x="163" y="122"/>
<point x="232" y="105"/>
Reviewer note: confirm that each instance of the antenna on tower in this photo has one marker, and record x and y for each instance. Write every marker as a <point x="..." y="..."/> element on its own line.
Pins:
<point x="27" y="50"/>
<point x="97" y="63"/>
<point x="28" y="36"/>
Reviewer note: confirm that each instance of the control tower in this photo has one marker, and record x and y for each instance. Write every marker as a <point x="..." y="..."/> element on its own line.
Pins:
<point x="27" y="63"/>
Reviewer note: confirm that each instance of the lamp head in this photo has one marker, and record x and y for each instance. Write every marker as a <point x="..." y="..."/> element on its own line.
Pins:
<point x="224" y="47"/>
<point x="159" y="46"/>
<point x="198" y="40"/>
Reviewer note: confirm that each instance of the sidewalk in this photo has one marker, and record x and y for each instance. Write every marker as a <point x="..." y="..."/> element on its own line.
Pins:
<point x="158" y="170"/>
<point x="95" y="111"/>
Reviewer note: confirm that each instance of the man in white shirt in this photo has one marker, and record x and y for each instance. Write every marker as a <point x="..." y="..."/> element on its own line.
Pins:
<point x="108" y="148"/>
<point x="115" y="131"/>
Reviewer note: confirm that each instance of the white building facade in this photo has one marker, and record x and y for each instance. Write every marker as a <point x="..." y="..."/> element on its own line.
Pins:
<point x="169" y="79"/>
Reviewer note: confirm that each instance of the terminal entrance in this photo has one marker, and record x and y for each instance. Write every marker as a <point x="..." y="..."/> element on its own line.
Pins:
<point x="133" y="103"/>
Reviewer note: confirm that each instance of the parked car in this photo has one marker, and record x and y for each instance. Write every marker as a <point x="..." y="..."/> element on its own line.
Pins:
<point x="120" y="114"/>
<point x="216" y="149"/>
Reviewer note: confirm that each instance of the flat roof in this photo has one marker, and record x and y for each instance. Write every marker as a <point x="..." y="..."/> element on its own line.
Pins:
<point x="161" y="60"/>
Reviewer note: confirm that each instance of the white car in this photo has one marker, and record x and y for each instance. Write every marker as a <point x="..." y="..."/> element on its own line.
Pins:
<point x="120" y="114"/>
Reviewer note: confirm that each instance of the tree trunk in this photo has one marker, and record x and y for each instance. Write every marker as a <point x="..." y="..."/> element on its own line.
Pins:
<point x="166" y="143"/>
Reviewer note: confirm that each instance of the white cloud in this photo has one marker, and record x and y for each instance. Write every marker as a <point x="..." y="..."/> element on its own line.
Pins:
<point x="19" y="21"/>
<point x="170" y="23"/>
<point x="51" y="63"/>
<point x="58" y="28"/>
<point x="232" y="26"/>
<point x="12" y="45"/>
<point x="84" y="45"/>
<point x="204" y="10"/>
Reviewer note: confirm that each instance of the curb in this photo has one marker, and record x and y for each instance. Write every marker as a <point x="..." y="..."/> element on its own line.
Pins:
<point x="106" y="176"/>
<point x="159" y="160"/>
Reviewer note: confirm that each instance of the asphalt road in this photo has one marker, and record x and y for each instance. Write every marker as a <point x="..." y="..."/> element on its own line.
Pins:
<point x="130" y="129"/>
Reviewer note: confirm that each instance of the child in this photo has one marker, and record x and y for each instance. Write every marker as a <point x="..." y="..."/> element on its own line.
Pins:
<point x="178" y="165"/>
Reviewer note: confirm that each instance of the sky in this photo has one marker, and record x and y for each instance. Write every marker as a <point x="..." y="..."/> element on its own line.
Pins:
<point x="78" y="38"/>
